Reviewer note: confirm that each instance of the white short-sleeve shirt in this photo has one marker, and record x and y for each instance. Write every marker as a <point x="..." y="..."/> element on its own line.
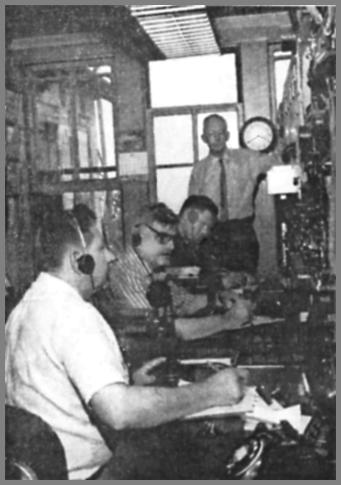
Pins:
<point x="59" y="353"/>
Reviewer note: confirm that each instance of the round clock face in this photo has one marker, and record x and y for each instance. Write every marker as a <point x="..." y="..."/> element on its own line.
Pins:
<point x="258" y="134"/>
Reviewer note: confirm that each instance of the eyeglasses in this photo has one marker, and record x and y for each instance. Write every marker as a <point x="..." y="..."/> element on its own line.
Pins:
<point x="162" y="237"/>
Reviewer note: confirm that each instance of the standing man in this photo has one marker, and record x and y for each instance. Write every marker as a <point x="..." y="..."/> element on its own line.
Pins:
<point x="64" y="364"/>
<point x="230" y="177"/>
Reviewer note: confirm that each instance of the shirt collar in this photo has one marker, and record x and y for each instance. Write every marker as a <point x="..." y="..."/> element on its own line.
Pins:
<point x="53" y="284"/>
<point x="225" y="156"/>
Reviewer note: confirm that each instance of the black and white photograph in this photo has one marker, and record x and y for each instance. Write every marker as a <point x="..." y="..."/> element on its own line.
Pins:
<point x="170" y="241"/>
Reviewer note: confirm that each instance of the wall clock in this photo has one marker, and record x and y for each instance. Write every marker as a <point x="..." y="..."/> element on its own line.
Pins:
<point x="259" y="134"/>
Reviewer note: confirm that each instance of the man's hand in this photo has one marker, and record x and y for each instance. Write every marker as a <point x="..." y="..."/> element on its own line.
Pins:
<point x="239" y="314"/>
<point x="239" y="279"/>
<point x="227" y="298"/>
<point x="228" y="386"/>
<point x="141" y="376"/>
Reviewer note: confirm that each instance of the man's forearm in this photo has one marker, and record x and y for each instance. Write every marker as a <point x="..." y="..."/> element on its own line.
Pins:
<point x="142" y="407"/>
<point x="195" y="328"/>
<point x="186" y="303"/>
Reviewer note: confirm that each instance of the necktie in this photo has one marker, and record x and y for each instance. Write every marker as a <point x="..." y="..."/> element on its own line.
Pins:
<point x="223" y="191"/>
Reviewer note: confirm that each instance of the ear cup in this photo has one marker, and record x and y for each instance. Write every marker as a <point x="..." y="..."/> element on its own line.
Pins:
<point x="136" y="237"/>
<point x="86" y="264"/>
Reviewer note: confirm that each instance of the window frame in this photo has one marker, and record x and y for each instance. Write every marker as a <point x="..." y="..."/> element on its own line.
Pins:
<point x="193" y="111"/>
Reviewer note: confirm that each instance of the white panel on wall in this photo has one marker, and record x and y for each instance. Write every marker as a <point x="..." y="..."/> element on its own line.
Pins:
<point x="197" y="80"/>
<point x="172" y="186"/>
<point x="134" y="163"/>
<point x="173" y="139"/>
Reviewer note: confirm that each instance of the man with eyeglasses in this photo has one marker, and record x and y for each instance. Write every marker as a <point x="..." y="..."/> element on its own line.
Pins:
<point x="152" y="245"/>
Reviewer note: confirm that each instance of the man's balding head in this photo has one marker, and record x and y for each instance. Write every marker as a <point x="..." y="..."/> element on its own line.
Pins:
<point x="215" y="134"/>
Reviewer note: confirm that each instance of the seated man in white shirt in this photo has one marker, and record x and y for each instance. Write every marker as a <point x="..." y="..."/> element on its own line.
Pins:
<point x="63" y="361"/>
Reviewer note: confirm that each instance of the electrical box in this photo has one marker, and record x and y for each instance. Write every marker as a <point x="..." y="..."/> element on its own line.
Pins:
<point x="284" y="179"/>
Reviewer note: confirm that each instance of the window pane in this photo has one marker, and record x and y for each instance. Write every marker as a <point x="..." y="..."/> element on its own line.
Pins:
<point x="173" y="139"/>
<point x="196" y="80"/>
<point x="104" y="124"/>
<point x="172" y="186"/>
<point x="281" y="72"/>
<point x="231" y="118"/>
<point x="83" y="148"/>
<point x="108" y="126"/>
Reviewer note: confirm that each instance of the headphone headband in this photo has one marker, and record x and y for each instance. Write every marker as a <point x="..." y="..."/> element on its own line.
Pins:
<point x="78" y="228"/>
<point x="86" y="263"/>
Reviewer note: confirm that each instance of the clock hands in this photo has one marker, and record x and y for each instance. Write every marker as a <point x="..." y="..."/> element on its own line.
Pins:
<point x="258" y="133"/>
<point x="250" y="140"/>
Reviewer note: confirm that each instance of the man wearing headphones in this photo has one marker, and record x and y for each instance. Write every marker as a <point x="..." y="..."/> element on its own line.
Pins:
<point x="152" y="245"/>
<point x="64" y="364"/>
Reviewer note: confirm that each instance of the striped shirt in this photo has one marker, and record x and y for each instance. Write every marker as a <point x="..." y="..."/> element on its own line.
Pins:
<point x="129" y="280"/>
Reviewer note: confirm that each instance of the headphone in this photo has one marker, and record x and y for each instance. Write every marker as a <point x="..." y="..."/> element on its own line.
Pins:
<point x="136" y="236"/>
<point x="85" y="262"/>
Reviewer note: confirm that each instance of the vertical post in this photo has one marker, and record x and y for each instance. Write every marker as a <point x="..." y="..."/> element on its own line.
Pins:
<point x="194" y="116"/>
<point x="151" y="156"/>
<point x="116" y="129"/>
<point x="74" y="126"/>
<point x="24" y="224"/>
<point x="332" y="188"/>
<point x="116" y="108"/>
<point x="75" y="162"/>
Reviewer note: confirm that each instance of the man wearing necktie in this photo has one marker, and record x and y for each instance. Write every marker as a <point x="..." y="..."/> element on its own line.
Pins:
<point x="230" y="178"/>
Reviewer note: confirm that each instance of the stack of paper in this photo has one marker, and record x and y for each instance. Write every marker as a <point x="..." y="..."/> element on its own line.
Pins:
<point x="271" y="415"/>
<point x="254" y="409"/>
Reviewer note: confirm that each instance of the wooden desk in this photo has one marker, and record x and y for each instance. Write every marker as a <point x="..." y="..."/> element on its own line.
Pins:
<point x="198" y="450"/>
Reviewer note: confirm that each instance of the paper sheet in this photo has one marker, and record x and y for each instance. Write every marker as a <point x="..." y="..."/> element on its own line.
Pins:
<point x="247" y="404"/>
<point x="209" y="360"/>
<point x="263" y="319"/>
<point x="254" y="410"/>
<point x="291" y="414"/>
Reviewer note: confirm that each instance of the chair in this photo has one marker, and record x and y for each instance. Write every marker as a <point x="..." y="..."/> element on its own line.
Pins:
<point x="33" y="450"/>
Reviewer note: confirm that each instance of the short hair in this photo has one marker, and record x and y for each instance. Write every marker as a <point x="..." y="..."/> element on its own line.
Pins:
<point x="158" y="212"/>
<point x="60" y="229"/>
<point x="213" y="117"/>
<point x="199" y="202"/>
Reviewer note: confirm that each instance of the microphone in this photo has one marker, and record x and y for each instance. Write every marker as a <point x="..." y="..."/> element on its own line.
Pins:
<point x="162" y="327"/>
<point x="159" y="294"/>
